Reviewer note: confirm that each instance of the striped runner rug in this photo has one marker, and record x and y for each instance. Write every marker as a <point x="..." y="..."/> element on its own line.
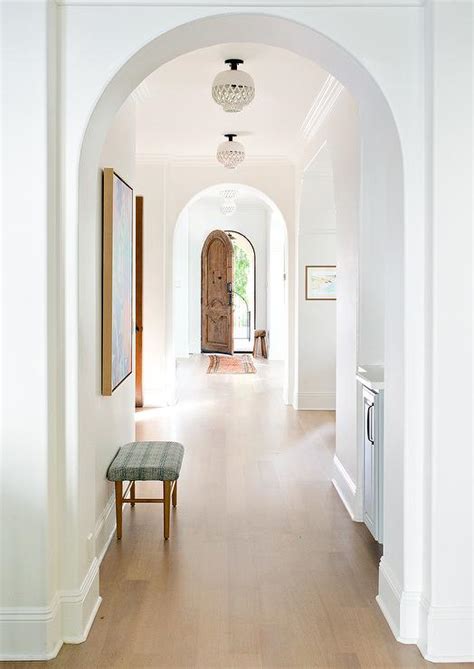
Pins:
<point x="236" y="364"/>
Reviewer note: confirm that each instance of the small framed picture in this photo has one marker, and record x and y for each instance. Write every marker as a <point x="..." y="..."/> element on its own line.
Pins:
<point x="320" y="282"/>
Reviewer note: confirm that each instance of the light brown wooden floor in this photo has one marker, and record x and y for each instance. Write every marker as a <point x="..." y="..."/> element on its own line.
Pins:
<point x="264" y="568"/>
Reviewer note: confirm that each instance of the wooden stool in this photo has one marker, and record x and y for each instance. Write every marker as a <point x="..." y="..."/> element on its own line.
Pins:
<point x="146" y="461"/>
<point x="260" y="336"/>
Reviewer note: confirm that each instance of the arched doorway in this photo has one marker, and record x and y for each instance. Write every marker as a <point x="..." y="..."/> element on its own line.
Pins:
<point x="404" y="463"/>
<point x="272" y="301"/>
<point x="217" y="276"/>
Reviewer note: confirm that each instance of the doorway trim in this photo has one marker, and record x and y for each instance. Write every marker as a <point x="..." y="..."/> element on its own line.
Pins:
<point x="139" y="301"/>
<point x="235" y="232"/>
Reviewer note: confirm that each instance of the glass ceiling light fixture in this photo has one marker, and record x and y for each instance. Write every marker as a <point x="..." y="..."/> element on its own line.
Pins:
<point x="228" y="203"/>
<point x="233" y="89"/>
<point x="228" y="207"/>
<point x="230" y="153"/>
<point x="229" y="193"/>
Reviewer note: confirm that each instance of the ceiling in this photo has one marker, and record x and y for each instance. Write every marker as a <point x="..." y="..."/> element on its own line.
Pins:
<point x="246" y="198"/>
<point x="176" y="115"/>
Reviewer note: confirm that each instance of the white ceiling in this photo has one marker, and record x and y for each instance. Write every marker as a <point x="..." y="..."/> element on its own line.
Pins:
<point x="177" y="116"/>
<point x="246" y="198"/>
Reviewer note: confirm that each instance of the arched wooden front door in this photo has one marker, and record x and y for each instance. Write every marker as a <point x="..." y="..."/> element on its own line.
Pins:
<point x="216" y="294"/>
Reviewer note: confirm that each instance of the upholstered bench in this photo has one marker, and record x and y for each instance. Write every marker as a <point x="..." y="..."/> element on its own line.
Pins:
<point x="146" y="461"/>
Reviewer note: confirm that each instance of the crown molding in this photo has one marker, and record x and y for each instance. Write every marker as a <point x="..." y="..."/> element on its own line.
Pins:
<point x="141" y="93"/>
<point x="209" y="161"/>
<point x="244" y="3"/>
<point x="321" y="107"/>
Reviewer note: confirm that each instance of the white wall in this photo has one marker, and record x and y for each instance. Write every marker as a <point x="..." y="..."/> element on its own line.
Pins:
<point x="151" y="184"/>
<point x="29" y="450"/>
<point x="344" y="191"/>
<point x="344" y="146"/>
<point x="447" y="627"/>
<point x="316" y="368"/>
<point x="277" y="297"/>
<point x="372" y="241"/>
<point x="181" y="333"/>
<point x="105" y="423"/>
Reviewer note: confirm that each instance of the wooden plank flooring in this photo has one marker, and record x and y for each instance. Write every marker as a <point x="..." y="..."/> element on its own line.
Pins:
<point x="264" y="568"/>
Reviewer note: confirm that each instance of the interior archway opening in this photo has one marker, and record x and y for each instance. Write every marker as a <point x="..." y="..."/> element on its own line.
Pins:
<point x="260" y="302"/>
<point x="167" y="173"/>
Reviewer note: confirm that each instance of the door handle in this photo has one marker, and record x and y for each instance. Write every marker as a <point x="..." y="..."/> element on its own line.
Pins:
<point x="369" y="423"/>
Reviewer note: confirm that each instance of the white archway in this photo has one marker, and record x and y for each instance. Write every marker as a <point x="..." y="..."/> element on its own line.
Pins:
<point x="277" y="220"/>
<point x="405" y="428"/>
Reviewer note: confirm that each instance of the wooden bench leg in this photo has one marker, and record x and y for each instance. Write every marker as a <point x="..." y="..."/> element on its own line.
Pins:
<point x="166" y="508"/>
<point x="132" y="493"/>
<point x="264" y="347"/>
<point x="118" y="507"/>
<point x="174" y="497"/>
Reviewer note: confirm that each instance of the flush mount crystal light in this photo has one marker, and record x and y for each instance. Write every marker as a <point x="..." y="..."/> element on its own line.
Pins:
<point x="228" y="207"/>
<point x="229" y="193"/>
<point x="233" y="89"/>
<point x="230" y="153"/>
<point x="228" y="203"/>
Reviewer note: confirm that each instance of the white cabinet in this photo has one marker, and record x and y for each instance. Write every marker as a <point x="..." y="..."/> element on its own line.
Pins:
<point x="372" y="446"/>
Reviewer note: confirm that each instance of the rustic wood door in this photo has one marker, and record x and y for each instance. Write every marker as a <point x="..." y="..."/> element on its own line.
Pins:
<point x="216" y="294"/>
<point x="138" y="300"/>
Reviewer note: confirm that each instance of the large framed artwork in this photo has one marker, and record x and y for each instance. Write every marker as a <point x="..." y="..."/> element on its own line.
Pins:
<point x="320" y="282"/>
<point x="117" y="281"/>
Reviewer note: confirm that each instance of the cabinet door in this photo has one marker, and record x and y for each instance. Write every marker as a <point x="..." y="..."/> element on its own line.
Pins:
<point x="370" y="462"/>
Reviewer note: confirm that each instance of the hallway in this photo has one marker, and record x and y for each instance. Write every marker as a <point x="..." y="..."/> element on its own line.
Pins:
<point x="264" y="567"/>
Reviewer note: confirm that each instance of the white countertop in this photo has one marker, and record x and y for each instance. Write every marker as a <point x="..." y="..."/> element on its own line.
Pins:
<point x="371" y="376"/>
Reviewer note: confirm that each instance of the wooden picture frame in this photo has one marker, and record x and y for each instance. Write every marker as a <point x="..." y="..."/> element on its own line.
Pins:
<point x="320" y="282"/>
<point x="117" y="281"/>
<point x="139" y="301"/>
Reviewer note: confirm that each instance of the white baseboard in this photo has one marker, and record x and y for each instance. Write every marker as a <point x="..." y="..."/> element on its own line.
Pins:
<point x="389" y="597"/>
<point x="315" y="401"/>
<point x="400" y="608"/>
<point x="104" y="529"/>
<point x="78" y="609"/>
<point x="446" y="633"/>
<point x="346" y="489"/>
<point x="37" y="633"/>
<point x="31" y="633"/>
<point x="443" y="634"/>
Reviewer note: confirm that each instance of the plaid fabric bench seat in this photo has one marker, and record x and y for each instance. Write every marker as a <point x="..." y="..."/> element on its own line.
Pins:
<point x="146" y="461"/>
